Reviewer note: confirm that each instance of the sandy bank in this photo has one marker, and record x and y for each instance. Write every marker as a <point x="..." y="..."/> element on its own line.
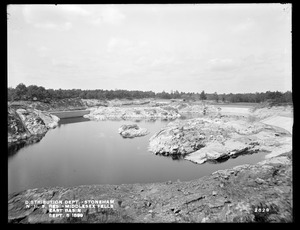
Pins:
<point x="276" y="116"/>
<point x="233" y="110"/>
<point x="280" y="121"/>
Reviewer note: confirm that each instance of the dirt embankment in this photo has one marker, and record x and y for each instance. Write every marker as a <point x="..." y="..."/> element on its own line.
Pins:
<point x="279" y="116"/>
<point x="54" y="105"/>
<point x="70" y="104"/>
<point x="269" y="111"/>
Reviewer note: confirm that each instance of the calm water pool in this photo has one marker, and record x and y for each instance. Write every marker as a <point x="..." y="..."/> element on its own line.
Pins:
<point x="80" y="152"/>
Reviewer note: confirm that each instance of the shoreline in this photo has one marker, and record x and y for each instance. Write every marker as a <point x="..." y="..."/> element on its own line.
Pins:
<point x="227" y="195"/>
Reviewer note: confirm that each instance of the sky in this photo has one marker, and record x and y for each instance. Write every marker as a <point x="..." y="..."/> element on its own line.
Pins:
<point x="223" y="48"/>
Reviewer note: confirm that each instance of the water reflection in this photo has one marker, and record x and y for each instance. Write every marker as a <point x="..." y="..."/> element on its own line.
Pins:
<point x="220" y="160"/>
<point x="14" y="148"/>
<point x="180" y="157"/>
<point x="71" y="120"/>
<point x="175" y="157"/>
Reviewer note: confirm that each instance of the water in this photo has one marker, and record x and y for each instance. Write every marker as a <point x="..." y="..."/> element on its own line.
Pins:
<point x="83" y="152"/>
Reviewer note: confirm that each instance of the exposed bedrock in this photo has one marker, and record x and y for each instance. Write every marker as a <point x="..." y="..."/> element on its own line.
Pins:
<point x="200" y="140"/>
<point x="27" y="125"/>
<point x="132" y="113"/>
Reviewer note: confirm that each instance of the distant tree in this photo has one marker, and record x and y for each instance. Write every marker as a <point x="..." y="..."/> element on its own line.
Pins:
<point x="33" y="91"/>
<point x="59" y="94"/>
<point x="90" y="95"/>
<point x="42" y="93"/>
<point x="176" y="94"/>
<point x="51" y="94"/>
<point x="288" y="97"/>
<point x="11" y="94"/>
<point x="223" y="97"/>
<point x="20" y="92"/>
<point x="216" y="97"/>
<point x="203" y="96"/>
<point x="82" y="94"/>
<point x="164" y="95"/>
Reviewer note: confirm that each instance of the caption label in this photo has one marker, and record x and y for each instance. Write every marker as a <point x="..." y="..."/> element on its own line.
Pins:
<point x="69" y="208"/>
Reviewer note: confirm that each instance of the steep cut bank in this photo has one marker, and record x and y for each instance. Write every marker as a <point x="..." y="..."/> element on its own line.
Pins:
<point x="53" y="105"/>
<point x="27" y="125"/>
<point x="69" y="104"/>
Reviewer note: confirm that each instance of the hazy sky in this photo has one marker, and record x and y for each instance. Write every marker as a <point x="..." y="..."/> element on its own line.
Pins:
<point x="213" y="47"/>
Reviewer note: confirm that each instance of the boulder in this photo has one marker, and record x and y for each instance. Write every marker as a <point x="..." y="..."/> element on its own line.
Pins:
<point x="131" y="131"/>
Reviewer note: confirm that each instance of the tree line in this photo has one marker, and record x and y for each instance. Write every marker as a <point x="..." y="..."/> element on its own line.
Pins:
<point x="39" y="93"/>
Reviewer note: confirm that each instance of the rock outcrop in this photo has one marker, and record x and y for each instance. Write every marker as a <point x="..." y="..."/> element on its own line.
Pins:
<point x="246" y="193"/>
<point x="201" y="139"/>
<point x="27" y="125"/>
<point x="132" y="113"/>
<point x="95" y="102"/>
<point x="124" y="102"/>
<point x="131" y="131"/>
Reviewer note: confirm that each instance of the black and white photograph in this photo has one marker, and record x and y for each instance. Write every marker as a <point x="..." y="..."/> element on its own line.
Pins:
<point x="149" y="113"/>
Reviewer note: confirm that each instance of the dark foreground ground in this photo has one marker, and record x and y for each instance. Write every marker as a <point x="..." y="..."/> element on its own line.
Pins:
<point x="247" y="193"/>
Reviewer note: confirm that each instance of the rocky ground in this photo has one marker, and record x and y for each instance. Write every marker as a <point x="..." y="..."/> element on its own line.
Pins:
<point x="27" y="125"/>
<point x="150" y="110"/>
<point x="203" y="139"/>
<point x="246" y="193"/>
<point x="124" y="102"/>
<point x="132" y="113"/>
